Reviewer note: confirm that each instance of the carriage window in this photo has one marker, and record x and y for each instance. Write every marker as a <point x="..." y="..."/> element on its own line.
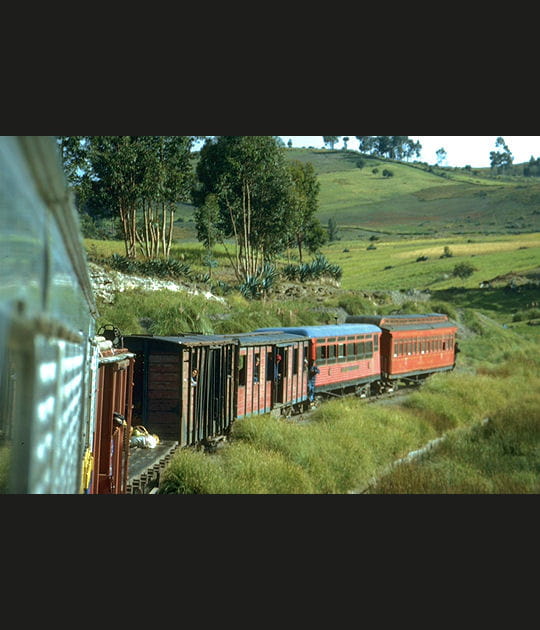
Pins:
<point x="375" y="343"/>
<point x="295" y="361"/>
<point x="322" y="353"/>
<point x="351" y="350"/>
<point x="341" y="351"/>
<point x="331" y="350"/>
<point x="369" y="348"/>
<point x="256" y="367"/>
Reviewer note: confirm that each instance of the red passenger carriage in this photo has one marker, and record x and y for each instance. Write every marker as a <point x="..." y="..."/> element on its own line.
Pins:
<point x="347" y="355"/>
<point x="413" y="346"/>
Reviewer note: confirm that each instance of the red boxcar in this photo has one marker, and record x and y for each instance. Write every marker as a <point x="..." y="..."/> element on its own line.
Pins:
<point x="113" y="420"/>
<point x="346" y="355"/>
<point x="413" y="346"/>
<point x="267" y="382"/>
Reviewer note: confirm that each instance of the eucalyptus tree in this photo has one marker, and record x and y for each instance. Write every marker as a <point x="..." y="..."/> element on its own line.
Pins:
<point x="331" y="140"/>
<point x="305" y="229"/>
<point x="249" y="180"/>
<point x="501" y="160"/>
<point x="167" y="181"/>
<point x="140" y="177"/>
<point x="394" y="147"/>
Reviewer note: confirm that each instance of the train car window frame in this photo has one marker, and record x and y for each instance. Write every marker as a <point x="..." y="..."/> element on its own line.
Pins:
<point x="242" y="369"/>
<point x="296" y="355"/>
<point x="256" y="368"/>
<point x="320" y="353"/>
<point x="332" y="351"/>
<point x="369" y="348"/>
<point x="341" y="354"/>
<point x="269" y="366"/>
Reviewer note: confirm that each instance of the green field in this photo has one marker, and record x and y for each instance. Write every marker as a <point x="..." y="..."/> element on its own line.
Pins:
<point x="393" y="263"/>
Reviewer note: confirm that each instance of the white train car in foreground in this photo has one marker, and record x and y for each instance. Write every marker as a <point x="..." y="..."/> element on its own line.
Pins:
<point x="48" y="354"/>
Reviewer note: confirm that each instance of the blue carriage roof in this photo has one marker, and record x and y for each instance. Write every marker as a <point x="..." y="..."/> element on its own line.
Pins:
<point x="258" y="338"/>
<point x="332" y="330"/>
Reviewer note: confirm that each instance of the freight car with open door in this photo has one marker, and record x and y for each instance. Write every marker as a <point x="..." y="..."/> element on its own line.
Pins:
<point x="183" y="385"/>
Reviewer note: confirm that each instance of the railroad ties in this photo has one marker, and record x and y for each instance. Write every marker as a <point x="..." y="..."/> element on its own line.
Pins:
<point x="146" y="465"/>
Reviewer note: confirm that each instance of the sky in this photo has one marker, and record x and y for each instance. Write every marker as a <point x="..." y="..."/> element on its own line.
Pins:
<point x="460" y="150"/>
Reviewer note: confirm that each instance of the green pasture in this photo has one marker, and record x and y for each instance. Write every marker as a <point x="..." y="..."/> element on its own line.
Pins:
<point x="389" y="264"/>
<point x="418" y="199"/>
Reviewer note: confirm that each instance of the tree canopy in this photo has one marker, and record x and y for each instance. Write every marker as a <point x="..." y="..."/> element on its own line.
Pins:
<point x="141" y="178"/>
<point x="501" y="160"/>
<point x="393" y="147"/>
<point x="247" y="181"/>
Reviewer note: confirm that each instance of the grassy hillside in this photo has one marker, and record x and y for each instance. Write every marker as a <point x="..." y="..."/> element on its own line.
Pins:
<point x="417" y="199"/>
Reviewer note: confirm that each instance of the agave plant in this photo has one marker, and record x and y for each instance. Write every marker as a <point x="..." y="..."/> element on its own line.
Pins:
<point x="258" y="285"/>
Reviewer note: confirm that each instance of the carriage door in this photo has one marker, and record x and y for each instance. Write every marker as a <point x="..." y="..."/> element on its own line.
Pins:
<point x="281" y="370"/>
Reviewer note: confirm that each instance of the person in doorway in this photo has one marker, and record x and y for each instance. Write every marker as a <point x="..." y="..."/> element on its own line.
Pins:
<point x="256" y="369"/>
<point x="194" y="376"/>
<point x="312" y="375"/>
<point x="277" y="367"/>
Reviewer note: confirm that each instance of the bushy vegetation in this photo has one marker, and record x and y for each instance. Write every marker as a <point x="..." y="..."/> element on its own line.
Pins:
<point x="498" y="456"/>
<point x="318" y="268"/>
<point x="158" y="268"/>
<point x="259" y="284"/>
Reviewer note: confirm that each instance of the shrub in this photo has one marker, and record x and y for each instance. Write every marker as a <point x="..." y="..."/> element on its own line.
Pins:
<point x="319" y="267"/>
<point x="159" y="267"/>
<point x="463" y="270"/>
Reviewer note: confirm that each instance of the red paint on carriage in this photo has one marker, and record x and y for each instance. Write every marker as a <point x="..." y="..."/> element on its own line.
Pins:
<point x="348" y="356"/>
<point x="272" y="372"/>
<point x="414" y="345"/>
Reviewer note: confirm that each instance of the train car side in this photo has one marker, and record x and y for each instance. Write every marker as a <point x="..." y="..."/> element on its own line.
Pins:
<point x="272" y="373"/>
<point x="108" y="472"/>
<point x="414" y="346"/>
<point x="183" y="385"/>
<point x="347" y="356"/>
<point x="47" y="322"/>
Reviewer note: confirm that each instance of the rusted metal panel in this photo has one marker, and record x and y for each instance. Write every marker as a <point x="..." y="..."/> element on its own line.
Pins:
<point x="113" y="422"/>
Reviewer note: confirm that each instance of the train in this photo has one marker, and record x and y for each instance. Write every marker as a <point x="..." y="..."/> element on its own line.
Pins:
<point x="267" y="370"/>
<point x="71" y="395"/>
